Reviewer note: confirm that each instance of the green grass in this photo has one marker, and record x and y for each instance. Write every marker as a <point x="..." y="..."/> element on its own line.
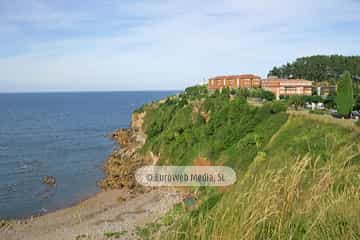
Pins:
<point x="319" y="112"/>
<point x="146" y="232"/>
<point x="178" y="131"/>
<point x="149" y="230"/>
<point x="301" y="186"/>
<point x="297" y="172"/>
<point x="302" y="136"/>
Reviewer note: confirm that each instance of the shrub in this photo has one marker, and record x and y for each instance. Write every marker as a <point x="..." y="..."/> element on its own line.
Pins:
<point x="313" y="98"/>
<point x="329" y="102"/>
<point x="284" y="97"/>
<point x="267" y="95"/>
<point x="180" y="133"/>
<point x="258" y="93"/>
<point x="196" y="91"/>
<point x="344" y="99"/>
<point x="297" y="101"/>
<point x="276" y="107"/>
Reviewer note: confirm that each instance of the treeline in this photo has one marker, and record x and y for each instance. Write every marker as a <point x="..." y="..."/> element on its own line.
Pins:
<point x="320" y="68"/>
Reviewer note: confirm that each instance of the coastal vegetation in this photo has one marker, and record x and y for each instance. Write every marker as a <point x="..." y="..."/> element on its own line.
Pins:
<point x="216" y="127"/>
<point x="297" y="175"/>
<point x="345" y="98"/>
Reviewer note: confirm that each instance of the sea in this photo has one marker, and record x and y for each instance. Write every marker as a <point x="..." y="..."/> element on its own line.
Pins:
<point x="64" y="135"/>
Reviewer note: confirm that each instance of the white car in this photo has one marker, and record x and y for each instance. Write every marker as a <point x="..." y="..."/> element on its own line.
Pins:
<point x="355" y="115"/>
<point x="320" y="106"/>
<point x="308" y="105"/>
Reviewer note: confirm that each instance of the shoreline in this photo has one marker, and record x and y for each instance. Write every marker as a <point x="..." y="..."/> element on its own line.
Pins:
<point x="118" y="205"/>
<point x="107" y="211"/>
<point x="74" y="202"/>
<point x="122" y="142"/>
<point x="70" y="205"/>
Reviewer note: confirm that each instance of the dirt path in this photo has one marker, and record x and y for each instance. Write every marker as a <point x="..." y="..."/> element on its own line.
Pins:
<point x="92" y="218"/>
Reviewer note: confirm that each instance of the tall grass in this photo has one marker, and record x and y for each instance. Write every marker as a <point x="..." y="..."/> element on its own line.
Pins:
<point x="298" y="173"/>
<point x="300" y="202"/>
<point x="327" y="119"/>
<point x="304" y="184"/>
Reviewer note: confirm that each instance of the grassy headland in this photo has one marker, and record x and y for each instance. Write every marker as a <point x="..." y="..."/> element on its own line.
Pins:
<point x="298" y="177"/>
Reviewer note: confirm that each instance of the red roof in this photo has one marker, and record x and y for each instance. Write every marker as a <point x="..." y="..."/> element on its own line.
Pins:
<point x="286" y="80"/>
<point x="242" y="76"/>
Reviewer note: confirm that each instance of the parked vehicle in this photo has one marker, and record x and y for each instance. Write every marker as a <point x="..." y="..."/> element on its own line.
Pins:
<point x="320" y="106"/>
<point x="314" y="106"/>
<point x="335" y="114"/>
<point x="355" y="115"/>
<point x="308" y="105"/>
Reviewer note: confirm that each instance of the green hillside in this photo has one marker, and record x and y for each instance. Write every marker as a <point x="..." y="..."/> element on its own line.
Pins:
<point x="298" y="177"/>
<point x="319" y="68"/>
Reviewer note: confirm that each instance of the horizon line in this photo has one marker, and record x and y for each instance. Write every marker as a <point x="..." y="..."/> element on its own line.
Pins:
<point x="89" y="91"/>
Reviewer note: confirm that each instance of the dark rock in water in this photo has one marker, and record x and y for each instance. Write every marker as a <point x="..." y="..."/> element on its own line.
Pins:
<point x="49" y="180"/>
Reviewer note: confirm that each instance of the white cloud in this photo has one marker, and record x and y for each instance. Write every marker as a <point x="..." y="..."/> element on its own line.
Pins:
<point x="181" y="43"/>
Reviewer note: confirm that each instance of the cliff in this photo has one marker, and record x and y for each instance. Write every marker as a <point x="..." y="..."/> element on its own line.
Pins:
<point x="120" y="166"/>
<point x="297" y="174"/>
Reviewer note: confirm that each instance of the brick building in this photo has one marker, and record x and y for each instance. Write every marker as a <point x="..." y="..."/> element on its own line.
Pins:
<point x="325" y="89"/>
<point x="235" y="81"/>
<point x="278" y="86"/>
<point x="287" y="87"/>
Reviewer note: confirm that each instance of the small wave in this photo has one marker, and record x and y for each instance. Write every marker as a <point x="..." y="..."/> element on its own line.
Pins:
<point x="25" y="166"/>
<point x="45" y="193"/>
<point x="43" y="210"/>
<point x="7" y="188"/>
<point x="3" y="148"/>
<point x="29" y="164"/>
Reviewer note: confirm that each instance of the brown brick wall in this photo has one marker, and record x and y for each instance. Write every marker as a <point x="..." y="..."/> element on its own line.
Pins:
<point x="277" y="86"/>
<point x="236" y="81"/>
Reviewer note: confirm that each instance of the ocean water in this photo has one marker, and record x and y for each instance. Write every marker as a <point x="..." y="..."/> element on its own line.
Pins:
<point x="62" y="135"/>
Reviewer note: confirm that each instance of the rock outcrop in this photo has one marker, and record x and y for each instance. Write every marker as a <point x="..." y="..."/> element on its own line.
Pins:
<point x="121" y="165"/>
<point x="49" y="180"/>
<point x="137" y="122"/>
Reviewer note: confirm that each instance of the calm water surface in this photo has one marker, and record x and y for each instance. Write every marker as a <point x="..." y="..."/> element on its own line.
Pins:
<point x="58" y="134"/>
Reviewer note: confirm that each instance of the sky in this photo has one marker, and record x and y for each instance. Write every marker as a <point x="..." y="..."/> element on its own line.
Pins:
<point x="91" y="45"/>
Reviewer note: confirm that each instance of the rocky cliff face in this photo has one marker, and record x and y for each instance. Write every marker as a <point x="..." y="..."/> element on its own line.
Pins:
<point x="124" y="161"/>
<point x="137" y="122"/>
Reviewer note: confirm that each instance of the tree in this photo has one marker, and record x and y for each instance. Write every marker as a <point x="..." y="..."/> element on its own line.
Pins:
<point x="276" y="107"/>
<point x="320" y="68"/>
<point x="297" y="101"/>
<point x="345" y="98"/>
<point x="268" y="96"/>
<point x="329" y="102"/>
<point x="313" y="98"/>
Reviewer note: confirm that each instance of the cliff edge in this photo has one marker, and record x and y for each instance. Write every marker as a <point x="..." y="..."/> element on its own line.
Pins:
<point x="121" y="165"/>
